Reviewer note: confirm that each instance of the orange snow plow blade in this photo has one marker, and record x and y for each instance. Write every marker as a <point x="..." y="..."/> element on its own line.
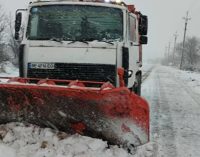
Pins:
<point x="112" y="114"/>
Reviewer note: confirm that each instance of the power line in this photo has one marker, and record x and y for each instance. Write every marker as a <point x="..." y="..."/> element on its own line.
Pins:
<point x="185" y="30"/>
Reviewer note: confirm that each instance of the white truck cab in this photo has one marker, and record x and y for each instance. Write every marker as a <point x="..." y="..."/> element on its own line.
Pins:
<point x="82" y="40"/>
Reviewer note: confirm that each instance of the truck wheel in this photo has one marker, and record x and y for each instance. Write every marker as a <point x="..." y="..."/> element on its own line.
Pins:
<point x="137" y="85"/>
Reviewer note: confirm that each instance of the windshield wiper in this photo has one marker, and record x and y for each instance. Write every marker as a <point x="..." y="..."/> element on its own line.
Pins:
<point x="60" y="40"/>
<point x="86" y="41"/>
<point x="83" y="41"/>
<point x="106" y="41"/>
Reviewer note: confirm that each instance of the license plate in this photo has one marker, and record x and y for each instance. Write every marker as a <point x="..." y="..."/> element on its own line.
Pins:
<point x="41" y="65"/>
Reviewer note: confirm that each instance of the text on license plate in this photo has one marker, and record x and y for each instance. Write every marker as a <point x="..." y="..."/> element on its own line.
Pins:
<point x="41" y="65"/>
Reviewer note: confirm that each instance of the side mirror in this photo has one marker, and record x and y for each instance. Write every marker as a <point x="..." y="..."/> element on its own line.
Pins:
<point x="143" y="39"/>
<point x="18" y="21"/>
<point x="143" y="25"/>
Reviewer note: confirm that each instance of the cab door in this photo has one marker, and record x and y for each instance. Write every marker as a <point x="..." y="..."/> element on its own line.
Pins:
<point x="133" y="44"/>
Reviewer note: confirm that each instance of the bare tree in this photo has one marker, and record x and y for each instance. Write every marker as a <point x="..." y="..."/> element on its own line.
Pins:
<point x="3" y="20"/>
<point x="2" y="23"/>
<point x="191" y="50"/>
<point x="191" y="54"/>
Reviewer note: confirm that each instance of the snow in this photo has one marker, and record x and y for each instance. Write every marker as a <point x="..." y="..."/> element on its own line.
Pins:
<point x="174" y="100"/>
<point x="7" y="69"/>
<point x="192" y="79"/>
<point x="20" y="140"/>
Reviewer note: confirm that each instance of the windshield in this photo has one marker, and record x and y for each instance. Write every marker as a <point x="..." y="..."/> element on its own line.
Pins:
<point x="75" y="22"/>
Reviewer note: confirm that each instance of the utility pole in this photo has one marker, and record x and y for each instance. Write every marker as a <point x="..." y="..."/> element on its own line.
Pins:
<point x="175" y="38"/>
<point x="168" y="52"/>
<point x="165" y="51"/>
<point x="186" y="22"/>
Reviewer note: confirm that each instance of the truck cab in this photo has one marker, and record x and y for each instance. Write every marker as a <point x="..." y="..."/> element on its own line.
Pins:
<point x="82" y="40"/>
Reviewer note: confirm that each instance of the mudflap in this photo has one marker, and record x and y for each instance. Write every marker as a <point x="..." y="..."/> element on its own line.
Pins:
<point x="112" y="114"/>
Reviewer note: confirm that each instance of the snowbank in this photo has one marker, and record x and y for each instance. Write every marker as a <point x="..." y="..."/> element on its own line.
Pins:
<point x="20" y="140"/>
<point x="8" y="69"/>
<point x="192" y="79"/>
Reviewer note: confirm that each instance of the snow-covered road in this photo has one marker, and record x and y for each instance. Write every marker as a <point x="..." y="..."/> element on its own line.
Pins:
<point x="174" y="100"/>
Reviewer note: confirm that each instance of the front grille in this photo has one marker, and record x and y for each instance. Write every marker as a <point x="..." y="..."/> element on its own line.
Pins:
<point x="83" y="72"/>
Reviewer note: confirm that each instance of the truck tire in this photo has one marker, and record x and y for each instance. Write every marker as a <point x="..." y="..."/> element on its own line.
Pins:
<point x="137" y="85"/>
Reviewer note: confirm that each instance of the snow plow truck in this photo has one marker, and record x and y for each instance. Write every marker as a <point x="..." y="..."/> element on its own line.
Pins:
<point x="79" y="70"/>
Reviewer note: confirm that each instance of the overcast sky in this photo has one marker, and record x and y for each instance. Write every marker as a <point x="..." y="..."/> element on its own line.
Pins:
<point x="165" y="18"/>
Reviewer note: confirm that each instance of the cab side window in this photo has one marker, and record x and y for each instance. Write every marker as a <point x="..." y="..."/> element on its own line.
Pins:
<point x="132" y="28"/>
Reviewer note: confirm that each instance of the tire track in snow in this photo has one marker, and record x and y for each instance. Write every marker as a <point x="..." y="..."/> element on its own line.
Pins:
<point x="149" y="93"/>
<point x="154" y="125"/>
<point x="162" y="130"/>
<point x="167" y="132"/>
